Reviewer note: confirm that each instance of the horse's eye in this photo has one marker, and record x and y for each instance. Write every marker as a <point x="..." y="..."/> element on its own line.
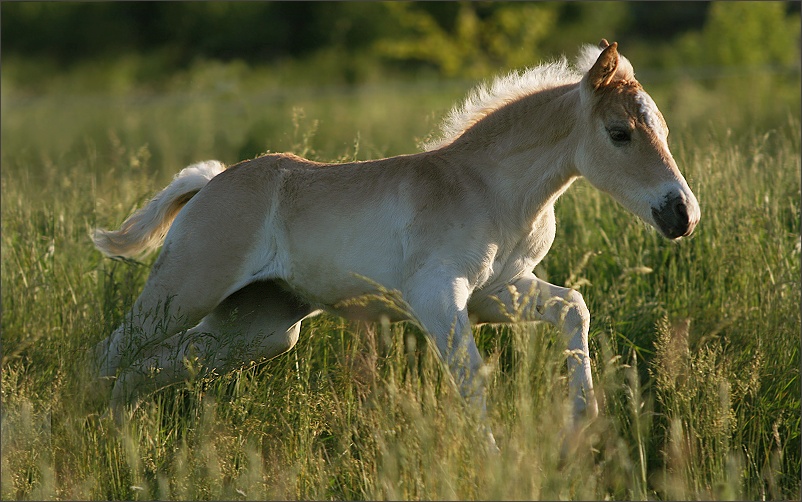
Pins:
<point x="619" y="136"/>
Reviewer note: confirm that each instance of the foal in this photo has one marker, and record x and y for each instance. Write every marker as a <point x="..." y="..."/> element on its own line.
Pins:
<point x="456" y="231"/>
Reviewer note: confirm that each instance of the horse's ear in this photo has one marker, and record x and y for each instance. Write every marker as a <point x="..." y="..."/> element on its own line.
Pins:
<point x="603" y="70"/>
<point x="604" y="44"/>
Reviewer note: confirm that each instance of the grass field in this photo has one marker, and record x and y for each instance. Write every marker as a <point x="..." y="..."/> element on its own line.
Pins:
<point x="695" y="343"/>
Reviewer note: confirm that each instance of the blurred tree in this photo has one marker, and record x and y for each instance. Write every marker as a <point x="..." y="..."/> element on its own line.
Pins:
<point x="68" y="32"/>
<point x="745" y="57"/>
<point x="661" y="21"/>
<point x="455" y="38"/>
<point x="744" y="34"/>
<point x="587" y="23"/>
<point x="752" y="33"/>
<point x="481" y="37"/>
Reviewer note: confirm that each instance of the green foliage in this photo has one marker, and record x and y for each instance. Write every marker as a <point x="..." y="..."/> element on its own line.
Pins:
<point x="354" y="42"/>
<point x="589" y="22"/>
<point x="177" y="35"/>
<point x="744" y="34"/>
<point x="508" y="38"/>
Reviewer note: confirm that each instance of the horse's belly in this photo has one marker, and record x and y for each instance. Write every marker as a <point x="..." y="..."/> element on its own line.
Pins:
<point x="329" y="274"/>
<point x="371" y="309"/>
<point x="357" y="298"/>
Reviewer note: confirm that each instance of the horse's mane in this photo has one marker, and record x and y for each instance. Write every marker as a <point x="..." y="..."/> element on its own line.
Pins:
<point x="505" y="89"/>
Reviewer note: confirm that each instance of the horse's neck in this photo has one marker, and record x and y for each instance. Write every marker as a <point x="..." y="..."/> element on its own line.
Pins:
<point x="525" y="150"/>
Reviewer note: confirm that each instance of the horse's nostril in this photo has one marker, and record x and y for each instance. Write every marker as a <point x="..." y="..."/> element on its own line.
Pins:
<point x="682" y="211"/>
<point x="673" y="218"/>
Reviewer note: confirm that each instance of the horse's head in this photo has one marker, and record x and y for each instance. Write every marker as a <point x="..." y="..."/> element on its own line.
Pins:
<point x="624" y="149"/>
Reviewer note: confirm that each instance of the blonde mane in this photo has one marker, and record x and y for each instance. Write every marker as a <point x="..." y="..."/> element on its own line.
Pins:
<point x="505" y="89"/>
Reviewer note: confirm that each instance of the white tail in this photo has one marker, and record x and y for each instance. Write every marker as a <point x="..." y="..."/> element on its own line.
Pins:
<point x="145" y="230"/>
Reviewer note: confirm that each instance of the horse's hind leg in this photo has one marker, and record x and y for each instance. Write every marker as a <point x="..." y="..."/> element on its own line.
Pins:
<point x="258" y="322"/>
<point x="175" y="298"/>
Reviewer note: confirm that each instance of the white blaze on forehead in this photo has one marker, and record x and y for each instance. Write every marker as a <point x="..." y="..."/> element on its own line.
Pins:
<point x="650" y="114"/>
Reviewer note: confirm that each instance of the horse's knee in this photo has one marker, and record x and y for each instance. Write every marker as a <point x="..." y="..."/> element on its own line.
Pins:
<point x="576" y="314"/>
<point x="109" y="354"/>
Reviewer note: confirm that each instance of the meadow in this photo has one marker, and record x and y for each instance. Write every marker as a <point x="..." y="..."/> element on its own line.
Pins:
<point x="695" y="344"/>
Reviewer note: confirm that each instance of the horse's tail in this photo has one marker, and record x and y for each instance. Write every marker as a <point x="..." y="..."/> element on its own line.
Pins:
<point x="145" y="230"/>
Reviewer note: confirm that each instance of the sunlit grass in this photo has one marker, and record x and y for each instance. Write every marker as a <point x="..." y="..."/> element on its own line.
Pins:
<point x="695" y="344"/>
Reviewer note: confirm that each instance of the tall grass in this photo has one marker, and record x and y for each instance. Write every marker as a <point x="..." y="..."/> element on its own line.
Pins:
<point x="695" y="344"/>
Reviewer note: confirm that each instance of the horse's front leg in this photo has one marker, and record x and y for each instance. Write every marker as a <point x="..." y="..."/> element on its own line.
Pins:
<point x="531" y="299"/>
<point x="439" y="303"/>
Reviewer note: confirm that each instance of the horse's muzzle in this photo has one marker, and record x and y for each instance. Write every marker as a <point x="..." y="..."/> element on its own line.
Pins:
<point x="677" y="217"/>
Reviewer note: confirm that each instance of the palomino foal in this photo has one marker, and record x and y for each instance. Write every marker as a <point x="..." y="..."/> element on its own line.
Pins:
<point x="456" y="231"/>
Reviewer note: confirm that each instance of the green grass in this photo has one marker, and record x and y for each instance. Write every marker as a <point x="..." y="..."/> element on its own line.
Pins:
<point x="695" y="344"/>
